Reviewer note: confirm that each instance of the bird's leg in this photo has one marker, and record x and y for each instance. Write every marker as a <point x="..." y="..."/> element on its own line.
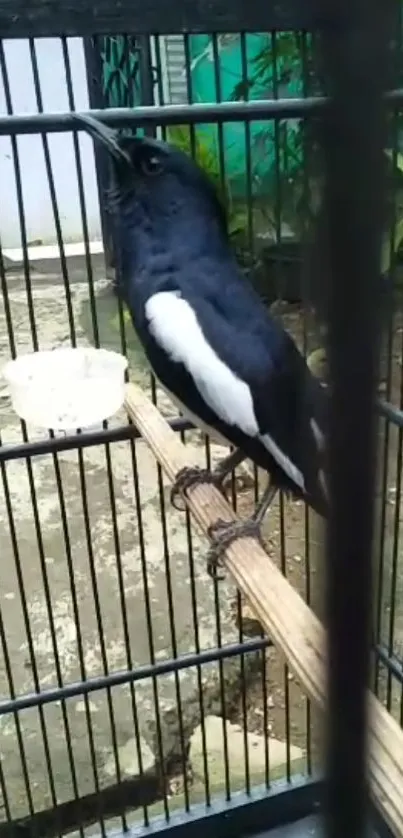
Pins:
<point x="189" y="476"/>
<point x="223" y="533"/>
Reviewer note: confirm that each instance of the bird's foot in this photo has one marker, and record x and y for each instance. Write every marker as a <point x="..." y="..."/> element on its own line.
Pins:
<point x="193" y="476"/>
<point x="222" y="534"/>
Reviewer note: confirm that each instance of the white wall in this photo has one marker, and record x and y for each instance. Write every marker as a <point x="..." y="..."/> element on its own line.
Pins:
<point x="37" y="204"/>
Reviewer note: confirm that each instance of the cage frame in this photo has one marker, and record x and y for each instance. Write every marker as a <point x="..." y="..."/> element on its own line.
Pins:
<point x="82" y="18"/>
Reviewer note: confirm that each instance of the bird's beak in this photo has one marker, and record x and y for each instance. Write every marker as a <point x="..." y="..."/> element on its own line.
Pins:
<point x="103" y="134"/>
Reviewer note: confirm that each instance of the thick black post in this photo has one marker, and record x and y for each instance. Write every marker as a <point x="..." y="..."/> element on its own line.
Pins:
<point x="354" y="60"/>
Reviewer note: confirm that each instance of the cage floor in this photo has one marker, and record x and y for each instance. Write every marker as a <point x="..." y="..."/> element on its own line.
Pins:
<point x="307" y="828"/>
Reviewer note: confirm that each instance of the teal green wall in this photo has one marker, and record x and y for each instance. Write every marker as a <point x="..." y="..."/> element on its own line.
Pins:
<point x="265" y="165"/>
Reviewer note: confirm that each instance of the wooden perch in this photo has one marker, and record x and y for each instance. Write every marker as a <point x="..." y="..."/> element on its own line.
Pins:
<point x="288" y="620"/>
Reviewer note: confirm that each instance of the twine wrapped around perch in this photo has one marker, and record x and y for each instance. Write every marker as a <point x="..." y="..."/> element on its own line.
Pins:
<point x="287" y="619"/>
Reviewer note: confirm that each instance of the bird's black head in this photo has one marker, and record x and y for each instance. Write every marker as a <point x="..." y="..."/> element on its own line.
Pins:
<point x="152" y="179"/>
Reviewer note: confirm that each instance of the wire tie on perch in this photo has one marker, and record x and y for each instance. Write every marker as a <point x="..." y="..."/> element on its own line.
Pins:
<point x="187" y="477"/>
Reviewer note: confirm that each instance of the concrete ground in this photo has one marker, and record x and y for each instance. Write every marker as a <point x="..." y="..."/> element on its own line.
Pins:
<point x="83" y="611"/>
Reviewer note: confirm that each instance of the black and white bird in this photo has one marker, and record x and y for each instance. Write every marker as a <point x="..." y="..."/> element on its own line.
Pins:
<point x="211" y="342"/>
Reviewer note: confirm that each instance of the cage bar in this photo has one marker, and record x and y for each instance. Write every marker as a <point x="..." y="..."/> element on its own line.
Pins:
<point x="161" y="17"/>
<point x="254" y="810"/>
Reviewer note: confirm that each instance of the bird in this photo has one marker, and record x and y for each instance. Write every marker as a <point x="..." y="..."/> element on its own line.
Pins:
<point x="228" y="364"/>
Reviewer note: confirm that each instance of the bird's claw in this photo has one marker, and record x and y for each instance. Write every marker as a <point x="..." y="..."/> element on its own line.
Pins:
<point x="192" y="476"/>
<point x="222" y="534"/>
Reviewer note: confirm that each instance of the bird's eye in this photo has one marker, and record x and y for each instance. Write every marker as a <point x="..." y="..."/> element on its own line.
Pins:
<point x="151" y="165"/>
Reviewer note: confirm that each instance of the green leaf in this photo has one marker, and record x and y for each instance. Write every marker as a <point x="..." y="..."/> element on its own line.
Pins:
<point x="242" y="89"/>
<point x="115" y="321"/>
<point x="237" y="223"/>
<point x="398" y="158"/>
<point x="387" y="250"/>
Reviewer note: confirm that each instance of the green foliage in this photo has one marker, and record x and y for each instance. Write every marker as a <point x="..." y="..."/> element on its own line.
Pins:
<point x="120" y="71"/>
<point x="204" y="151"/>
<point x="285" y="59"/>
<point x="284" y="68"/>
<point x="393" y="238"/>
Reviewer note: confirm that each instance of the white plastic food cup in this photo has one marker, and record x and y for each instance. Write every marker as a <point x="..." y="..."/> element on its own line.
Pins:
<point x="66" y="389"/>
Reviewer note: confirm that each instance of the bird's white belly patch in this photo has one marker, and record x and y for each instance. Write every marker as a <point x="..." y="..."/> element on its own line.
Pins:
<point x="175" y="327"/>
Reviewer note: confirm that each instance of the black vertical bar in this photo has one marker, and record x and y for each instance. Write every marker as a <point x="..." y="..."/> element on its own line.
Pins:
<point x="354" y="62"/>
<point x="93" y="63"/>
<point x="146" y="77"/>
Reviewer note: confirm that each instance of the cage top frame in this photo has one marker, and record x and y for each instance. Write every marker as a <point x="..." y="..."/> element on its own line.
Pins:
<point x="53" y="18"/>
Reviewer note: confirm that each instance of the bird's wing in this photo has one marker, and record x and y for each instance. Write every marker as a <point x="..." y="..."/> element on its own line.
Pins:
<point x="237" y="379"/>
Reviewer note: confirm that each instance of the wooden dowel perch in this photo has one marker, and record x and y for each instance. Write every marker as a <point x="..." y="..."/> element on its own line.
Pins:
<point x="288" y="620"/>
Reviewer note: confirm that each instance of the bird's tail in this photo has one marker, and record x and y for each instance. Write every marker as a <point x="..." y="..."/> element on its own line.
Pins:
<point x="315" y="425"/>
